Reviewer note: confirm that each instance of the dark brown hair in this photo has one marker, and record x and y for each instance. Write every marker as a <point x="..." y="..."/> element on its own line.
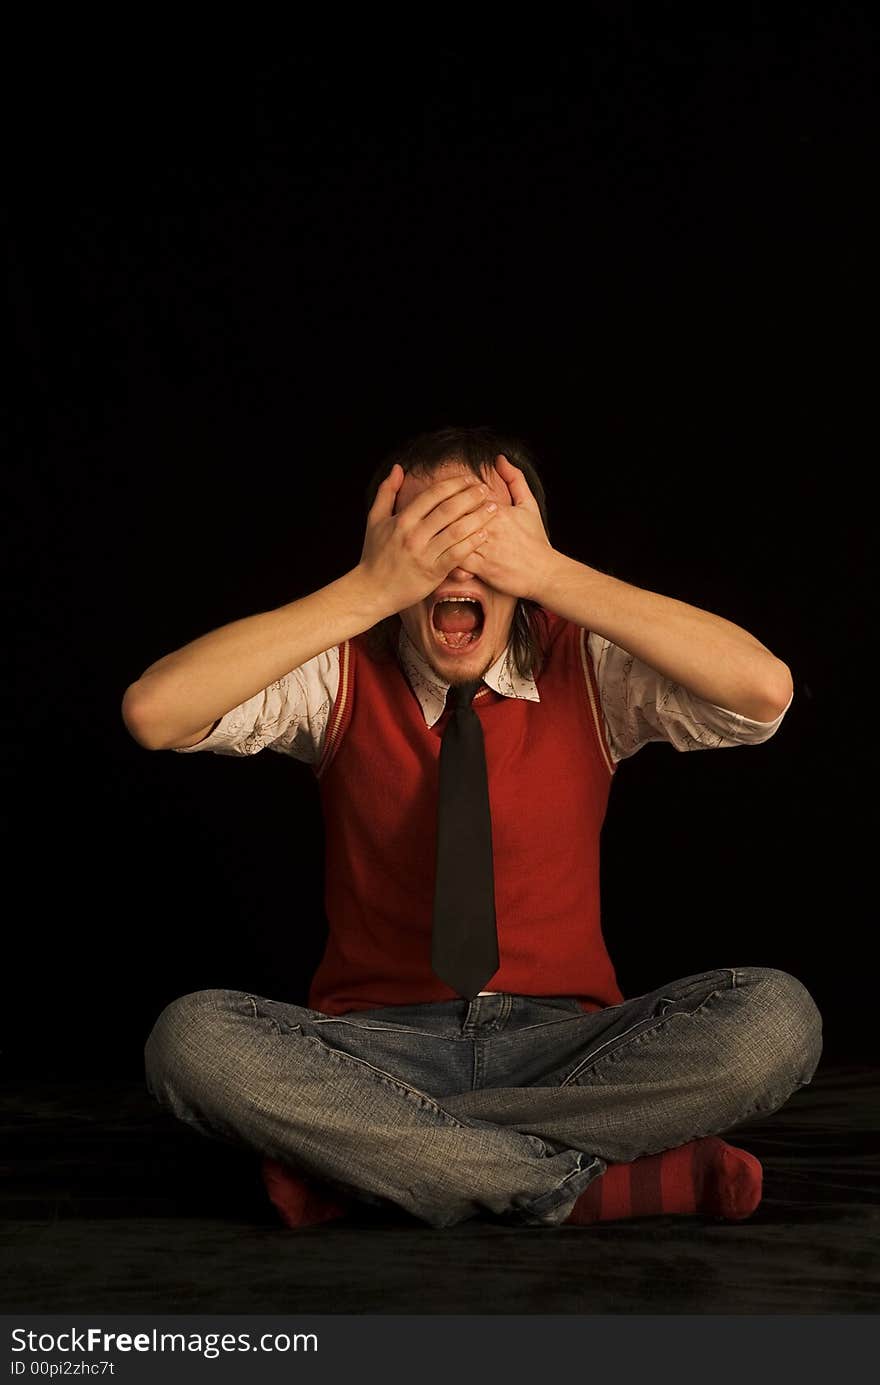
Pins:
<point x="476" y="448"/>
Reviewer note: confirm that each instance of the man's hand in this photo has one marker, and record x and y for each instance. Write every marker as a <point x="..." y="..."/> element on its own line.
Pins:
<point x="517" y="555"/>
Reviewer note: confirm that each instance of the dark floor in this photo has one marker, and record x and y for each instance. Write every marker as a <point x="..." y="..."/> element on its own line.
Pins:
<point x="110" y="1204"/>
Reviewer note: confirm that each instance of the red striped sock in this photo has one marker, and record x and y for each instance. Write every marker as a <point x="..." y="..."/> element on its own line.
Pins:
<point x="300" y="1201"/>
<point x="704" y="1176"/>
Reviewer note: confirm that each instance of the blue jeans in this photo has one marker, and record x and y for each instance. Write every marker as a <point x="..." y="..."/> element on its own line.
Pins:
<point x="506" y="1105"/>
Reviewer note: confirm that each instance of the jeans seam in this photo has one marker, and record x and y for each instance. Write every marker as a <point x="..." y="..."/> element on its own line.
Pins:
<point x="386" y="1028"/>
<point x="392" y="1079"/>
<point x="542" y="1024"/>
<point x="640" y="1024"/>
<point x="643" y="1026"/>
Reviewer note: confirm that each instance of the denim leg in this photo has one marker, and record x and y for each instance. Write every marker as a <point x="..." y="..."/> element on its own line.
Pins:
<point x="694" y="1057"/>
<point x="305" y="1088"/>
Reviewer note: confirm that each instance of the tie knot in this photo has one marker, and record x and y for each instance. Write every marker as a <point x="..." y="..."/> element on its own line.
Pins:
<point x="462" y="694"/>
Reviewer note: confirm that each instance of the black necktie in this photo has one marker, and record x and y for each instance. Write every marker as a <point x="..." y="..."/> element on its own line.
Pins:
<point x="464" y="951"/>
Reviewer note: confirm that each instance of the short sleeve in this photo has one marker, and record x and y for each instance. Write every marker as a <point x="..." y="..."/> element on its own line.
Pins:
<point x="640" y="706"/>
<point x="290" y="716"/>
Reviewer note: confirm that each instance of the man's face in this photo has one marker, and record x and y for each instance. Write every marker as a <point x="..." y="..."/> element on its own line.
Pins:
<point x="473" y="662"/>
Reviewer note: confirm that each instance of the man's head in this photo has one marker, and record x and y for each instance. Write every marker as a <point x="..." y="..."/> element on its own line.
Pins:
<point x="470" y="453"/>
<point x="497" y="608"/>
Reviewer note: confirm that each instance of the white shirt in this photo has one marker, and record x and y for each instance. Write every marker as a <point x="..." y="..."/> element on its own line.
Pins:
<point x="638" y="704"/>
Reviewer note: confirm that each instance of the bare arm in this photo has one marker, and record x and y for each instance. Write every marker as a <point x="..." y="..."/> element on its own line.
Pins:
<point x="178" y="699"/>
<point x="713" y="658"/>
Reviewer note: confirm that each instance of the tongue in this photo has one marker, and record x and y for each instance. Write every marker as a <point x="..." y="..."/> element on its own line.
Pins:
<point x="453" y="617"/>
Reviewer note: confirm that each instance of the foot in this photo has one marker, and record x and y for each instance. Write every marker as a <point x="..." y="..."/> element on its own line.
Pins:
<point x="705" y="1176"/>
<point x="300" y="1201"/>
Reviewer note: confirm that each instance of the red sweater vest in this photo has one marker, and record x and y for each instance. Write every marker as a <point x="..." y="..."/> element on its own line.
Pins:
<point x="549" y="770"/>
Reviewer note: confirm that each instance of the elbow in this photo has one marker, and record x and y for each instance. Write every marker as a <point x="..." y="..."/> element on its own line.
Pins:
<point x="779" y="692"/>
<point x="134" y="720"/>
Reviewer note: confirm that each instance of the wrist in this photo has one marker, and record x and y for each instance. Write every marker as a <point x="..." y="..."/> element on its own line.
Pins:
<point x="553" y="573"/>
<point x="369" y="599"/>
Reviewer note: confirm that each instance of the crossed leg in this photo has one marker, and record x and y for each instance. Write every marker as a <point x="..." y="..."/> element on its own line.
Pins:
<point x="690" y="1059"/>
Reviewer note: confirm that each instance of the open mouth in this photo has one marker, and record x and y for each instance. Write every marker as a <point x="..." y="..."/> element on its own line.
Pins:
<point x="457" y="625"/>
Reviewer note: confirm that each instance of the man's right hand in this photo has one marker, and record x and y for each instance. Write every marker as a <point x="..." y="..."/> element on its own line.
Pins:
<point x="406" y="555"/>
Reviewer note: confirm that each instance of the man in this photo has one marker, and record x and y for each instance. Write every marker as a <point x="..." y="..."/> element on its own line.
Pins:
<point x="546" y="1098"/>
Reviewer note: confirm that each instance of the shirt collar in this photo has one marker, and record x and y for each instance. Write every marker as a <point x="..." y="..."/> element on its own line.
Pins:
<point x="431" y="691"/>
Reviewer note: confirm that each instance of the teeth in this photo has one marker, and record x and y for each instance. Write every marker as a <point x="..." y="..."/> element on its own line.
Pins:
<point x="472" y="599"/>
<point x="459" y="641"/>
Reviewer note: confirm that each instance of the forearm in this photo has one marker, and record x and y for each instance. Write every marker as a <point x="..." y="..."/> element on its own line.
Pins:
<point x="196" y="685"/>
<point x="708" y="655"/>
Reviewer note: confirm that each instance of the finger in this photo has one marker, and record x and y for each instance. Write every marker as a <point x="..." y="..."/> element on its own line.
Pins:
<point x="463" y="531"/>
<point x="516" y="483"/>
<point x="433" y="496"/>
<point x="459" y="553"/>
<point x="383" y="504"/>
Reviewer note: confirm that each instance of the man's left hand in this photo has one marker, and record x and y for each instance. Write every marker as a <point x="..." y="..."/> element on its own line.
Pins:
<point x="517" y="556"/>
